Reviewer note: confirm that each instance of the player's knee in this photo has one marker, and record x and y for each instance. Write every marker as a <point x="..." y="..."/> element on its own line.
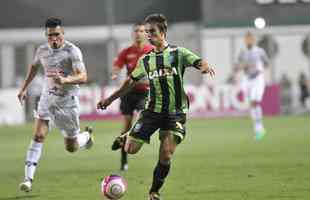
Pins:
<point x="39" y="137"/>
<point x="131" y="149"/>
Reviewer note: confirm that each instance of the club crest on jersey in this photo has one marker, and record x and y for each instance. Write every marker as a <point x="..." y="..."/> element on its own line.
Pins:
<point x="164" y="72"/>
<point x="137" y="127"/>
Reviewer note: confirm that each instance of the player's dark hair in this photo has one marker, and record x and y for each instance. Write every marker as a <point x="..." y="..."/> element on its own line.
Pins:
<point x="53" y="22"/>
<point x="159" y="19"/>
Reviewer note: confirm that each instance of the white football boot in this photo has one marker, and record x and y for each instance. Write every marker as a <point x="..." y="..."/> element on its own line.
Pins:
<point x="26" y="186"/>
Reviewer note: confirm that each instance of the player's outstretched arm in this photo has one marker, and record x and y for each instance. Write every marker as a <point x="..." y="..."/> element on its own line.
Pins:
<point x="32" y="71"/>
<point x="205" y="68"/>
<point x="127" y="85"/>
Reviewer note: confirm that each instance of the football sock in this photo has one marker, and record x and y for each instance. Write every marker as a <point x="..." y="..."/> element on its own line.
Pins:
<point x="257" y="117"/>
<point x="161" y="171"/>
<point x="83" y="138"/>
<point x="32" y="158"/>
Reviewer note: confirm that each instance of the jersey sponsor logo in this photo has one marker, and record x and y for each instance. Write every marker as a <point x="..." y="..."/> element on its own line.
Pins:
<point x="54" y="71"/>
<point x="164" y="72"/>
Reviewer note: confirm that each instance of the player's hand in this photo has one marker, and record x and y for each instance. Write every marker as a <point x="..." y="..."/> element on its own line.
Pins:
<point x="104" y="103"/>
<point x="113" y="77"/>
<point x="22" y="95"/>
<point x="206" y="69"/>
<point x="209" y="71"/>
<point x="60" y="79"/>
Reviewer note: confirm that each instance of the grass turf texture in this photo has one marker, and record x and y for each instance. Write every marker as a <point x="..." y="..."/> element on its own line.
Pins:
<point x="219" y="160"/>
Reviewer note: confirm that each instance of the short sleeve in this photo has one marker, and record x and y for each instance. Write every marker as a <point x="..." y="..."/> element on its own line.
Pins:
<point x="36" y="60"/>
<point x="77" y="59"/>
<point x="189" y="58"/>
<point x="139" y="72"/>
<point x="120" y="60"/>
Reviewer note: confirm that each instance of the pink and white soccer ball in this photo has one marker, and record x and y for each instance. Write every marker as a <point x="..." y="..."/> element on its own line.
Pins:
<point x="113" y="187"/>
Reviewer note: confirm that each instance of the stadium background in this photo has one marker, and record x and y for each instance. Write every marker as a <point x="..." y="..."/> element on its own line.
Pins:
<point x="212" y="28"/>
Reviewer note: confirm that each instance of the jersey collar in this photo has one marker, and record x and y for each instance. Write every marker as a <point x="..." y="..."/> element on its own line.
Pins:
<point x="159" y="52"/>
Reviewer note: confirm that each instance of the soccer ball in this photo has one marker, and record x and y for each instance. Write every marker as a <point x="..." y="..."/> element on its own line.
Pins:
<point x="113" y="187"/>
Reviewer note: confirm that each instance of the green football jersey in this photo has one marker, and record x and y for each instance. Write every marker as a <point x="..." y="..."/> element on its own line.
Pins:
<point x="165" y="71"/>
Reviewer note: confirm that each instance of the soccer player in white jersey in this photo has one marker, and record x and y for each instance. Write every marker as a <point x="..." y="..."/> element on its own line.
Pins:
<point x="253" y="60"/>
<point x="63" y="70"/>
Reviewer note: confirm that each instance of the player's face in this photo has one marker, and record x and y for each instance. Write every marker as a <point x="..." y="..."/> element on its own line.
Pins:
<point x="139" y="34"/>
<point x="249" y="40"/>
<point x="154" y="35"/>
<point x="55" y="37"/>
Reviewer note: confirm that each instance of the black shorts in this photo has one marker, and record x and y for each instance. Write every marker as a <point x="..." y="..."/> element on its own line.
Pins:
<point x="134" y="100"/>
<point x="149" y="122"/>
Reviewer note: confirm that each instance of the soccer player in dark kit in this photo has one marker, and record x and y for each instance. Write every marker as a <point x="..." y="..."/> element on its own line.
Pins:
<point x="167" y="102"/>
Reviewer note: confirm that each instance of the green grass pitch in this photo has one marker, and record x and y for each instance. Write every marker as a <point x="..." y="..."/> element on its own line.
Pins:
<point x="219" y="160"/>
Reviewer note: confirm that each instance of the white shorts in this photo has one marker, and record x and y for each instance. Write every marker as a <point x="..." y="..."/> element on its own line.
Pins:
<point x="64" y="111"/>
<point x="254" y="87"/>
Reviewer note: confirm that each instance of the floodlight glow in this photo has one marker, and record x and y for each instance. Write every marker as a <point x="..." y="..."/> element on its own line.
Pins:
<point x="259" y="23"/>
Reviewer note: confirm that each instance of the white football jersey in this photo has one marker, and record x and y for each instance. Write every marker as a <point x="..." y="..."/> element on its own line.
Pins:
<point x="62" y="61"/>
<point x="254" y="59"/>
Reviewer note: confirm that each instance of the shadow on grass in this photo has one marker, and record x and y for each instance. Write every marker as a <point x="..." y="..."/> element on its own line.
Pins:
<point x="19" y="197"/>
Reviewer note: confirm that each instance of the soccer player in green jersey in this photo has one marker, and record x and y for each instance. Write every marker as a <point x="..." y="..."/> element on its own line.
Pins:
<point x="167" y="102"/>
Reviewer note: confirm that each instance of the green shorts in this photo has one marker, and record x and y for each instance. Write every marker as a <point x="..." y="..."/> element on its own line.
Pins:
<point x="149" y="122"/>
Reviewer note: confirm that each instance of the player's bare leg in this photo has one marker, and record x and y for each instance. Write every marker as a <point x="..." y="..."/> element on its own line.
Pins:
<point x="34" y="153"/>
<point x="257" y="117"/>
<point x="81" y="140"/>
<point x="124" y="156"/>
<point x="168" y="146"/>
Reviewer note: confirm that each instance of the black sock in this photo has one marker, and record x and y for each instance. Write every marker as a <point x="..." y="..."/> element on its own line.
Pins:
<point x="161" y="171"/>
<point x="124" y="157"/>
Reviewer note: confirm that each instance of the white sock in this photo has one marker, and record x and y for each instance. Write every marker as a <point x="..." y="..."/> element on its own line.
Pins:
<point x="257" y="117"/>
<point x="83" y="138"/>
<point x="32" y="158"/>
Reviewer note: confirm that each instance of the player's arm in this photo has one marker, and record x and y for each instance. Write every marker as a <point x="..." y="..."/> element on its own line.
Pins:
<point x="118" y="64"/>
<point x="115" y="72"/>
<point x="191" y="59"/>
<point x="240" y="64"/>
<point x="137" y="74"/>
<point x="205" y="68"/>
<point x="31" y="73"/>
<point x="79" y="75"/>
<point x="127" y="85"/>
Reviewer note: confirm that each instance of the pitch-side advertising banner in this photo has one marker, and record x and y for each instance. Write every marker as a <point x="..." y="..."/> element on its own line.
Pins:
<point x="11" y="112"/>
<point x="205" y="101"/>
